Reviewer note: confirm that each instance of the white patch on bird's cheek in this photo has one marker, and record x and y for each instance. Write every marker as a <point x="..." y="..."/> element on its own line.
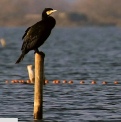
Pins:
<point x="48" y="12"/>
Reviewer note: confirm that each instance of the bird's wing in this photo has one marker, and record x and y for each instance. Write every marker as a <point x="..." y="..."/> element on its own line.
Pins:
<point x="26" y="32"/>
<point x="39" y="31"/>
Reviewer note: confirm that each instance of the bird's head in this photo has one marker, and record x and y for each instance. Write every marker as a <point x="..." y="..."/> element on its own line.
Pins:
<point x="48" y="12"/>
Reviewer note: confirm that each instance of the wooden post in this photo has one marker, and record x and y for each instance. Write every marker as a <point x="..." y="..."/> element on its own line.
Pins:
<point x="31" y="73"/>
<point x="38" y="86"/>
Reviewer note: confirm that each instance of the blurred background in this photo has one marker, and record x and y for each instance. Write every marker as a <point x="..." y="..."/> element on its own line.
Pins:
<point x="70" y="12"/>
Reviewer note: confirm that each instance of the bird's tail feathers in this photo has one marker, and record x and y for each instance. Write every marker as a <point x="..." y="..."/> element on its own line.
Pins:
<point x="20" y="58"/>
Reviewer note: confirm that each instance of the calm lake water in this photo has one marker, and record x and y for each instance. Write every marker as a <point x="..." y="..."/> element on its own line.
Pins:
<point x="85" y="53"/>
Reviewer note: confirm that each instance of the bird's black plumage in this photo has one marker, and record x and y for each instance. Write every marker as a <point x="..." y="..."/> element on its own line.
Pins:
<point x="36" y="35"/>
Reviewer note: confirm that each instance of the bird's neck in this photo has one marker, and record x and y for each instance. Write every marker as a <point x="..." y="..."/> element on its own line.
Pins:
<point x="44" y="16"/>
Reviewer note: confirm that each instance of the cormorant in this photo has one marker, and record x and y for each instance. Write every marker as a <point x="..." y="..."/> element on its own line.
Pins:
<point x="36" y="35"/>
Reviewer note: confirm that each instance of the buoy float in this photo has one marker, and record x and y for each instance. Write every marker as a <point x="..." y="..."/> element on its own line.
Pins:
<point x="16" y="81"/>
<point x="93" y="82"/>
<point x="20" y="81"/>
<point x="104" y="82"/>
<point x="115" y="82"/>
<point x="46" y="81"/>
<point x="28" y="81"/>
<point x="12" y="81"/>
<point x="54" y="81"/>
<point x="6" y="81"/>
<point x="64" y="81"/>
<point x="82" y="82"/>
<point x="70" y="82"/>
<point x="57" y="81"/>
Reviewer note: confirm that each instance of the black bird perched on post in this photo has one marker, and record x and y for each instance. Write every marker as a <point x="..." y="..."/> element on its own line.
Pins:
<point x="36" y="35"/>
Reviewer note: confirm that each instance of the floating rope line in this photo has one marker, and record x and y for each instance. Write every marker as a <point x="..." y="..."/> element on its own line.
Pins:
<point x="58" y="82"/>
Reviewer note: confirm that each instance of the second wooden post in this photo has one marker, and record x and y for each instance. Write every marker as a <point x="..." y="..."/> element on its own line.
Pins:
<point x="38" y="86"/>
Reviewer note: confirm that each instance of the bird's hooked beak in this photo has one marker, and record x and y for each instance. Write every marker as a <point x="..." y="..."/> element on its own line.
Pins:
<point x="50" y="12"/>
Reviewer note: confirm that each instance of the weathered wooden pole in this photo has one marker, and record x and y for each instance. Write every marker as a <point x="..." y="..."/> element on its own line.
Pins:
<point x="38" y="86"/>
<point x="31" y="73"/>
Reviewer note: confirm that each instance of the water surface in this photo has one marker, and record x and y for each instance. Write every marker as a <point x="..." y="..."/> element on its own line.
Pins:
<point x="87" y="53"/>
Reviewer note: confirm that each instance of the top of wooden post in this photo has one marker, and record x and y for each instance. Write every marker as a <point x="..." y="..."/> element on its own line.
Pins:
<point x="40" y="53"/>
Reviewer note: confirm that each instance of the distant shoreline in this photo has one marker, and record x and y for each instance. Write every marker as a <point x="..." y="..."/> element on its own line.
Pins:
<point x="62" y="19"/>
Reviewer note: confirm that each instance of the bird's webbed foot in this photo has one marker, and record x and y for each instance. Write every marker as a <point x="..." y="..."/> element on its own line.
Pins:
<point x="36" y="51"/>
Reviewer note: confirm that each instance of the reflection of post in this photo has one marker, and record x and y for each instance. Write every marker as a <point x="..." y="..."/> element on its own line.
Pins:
<point x="31" y="73"/>
<point x="38" y="87"/>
